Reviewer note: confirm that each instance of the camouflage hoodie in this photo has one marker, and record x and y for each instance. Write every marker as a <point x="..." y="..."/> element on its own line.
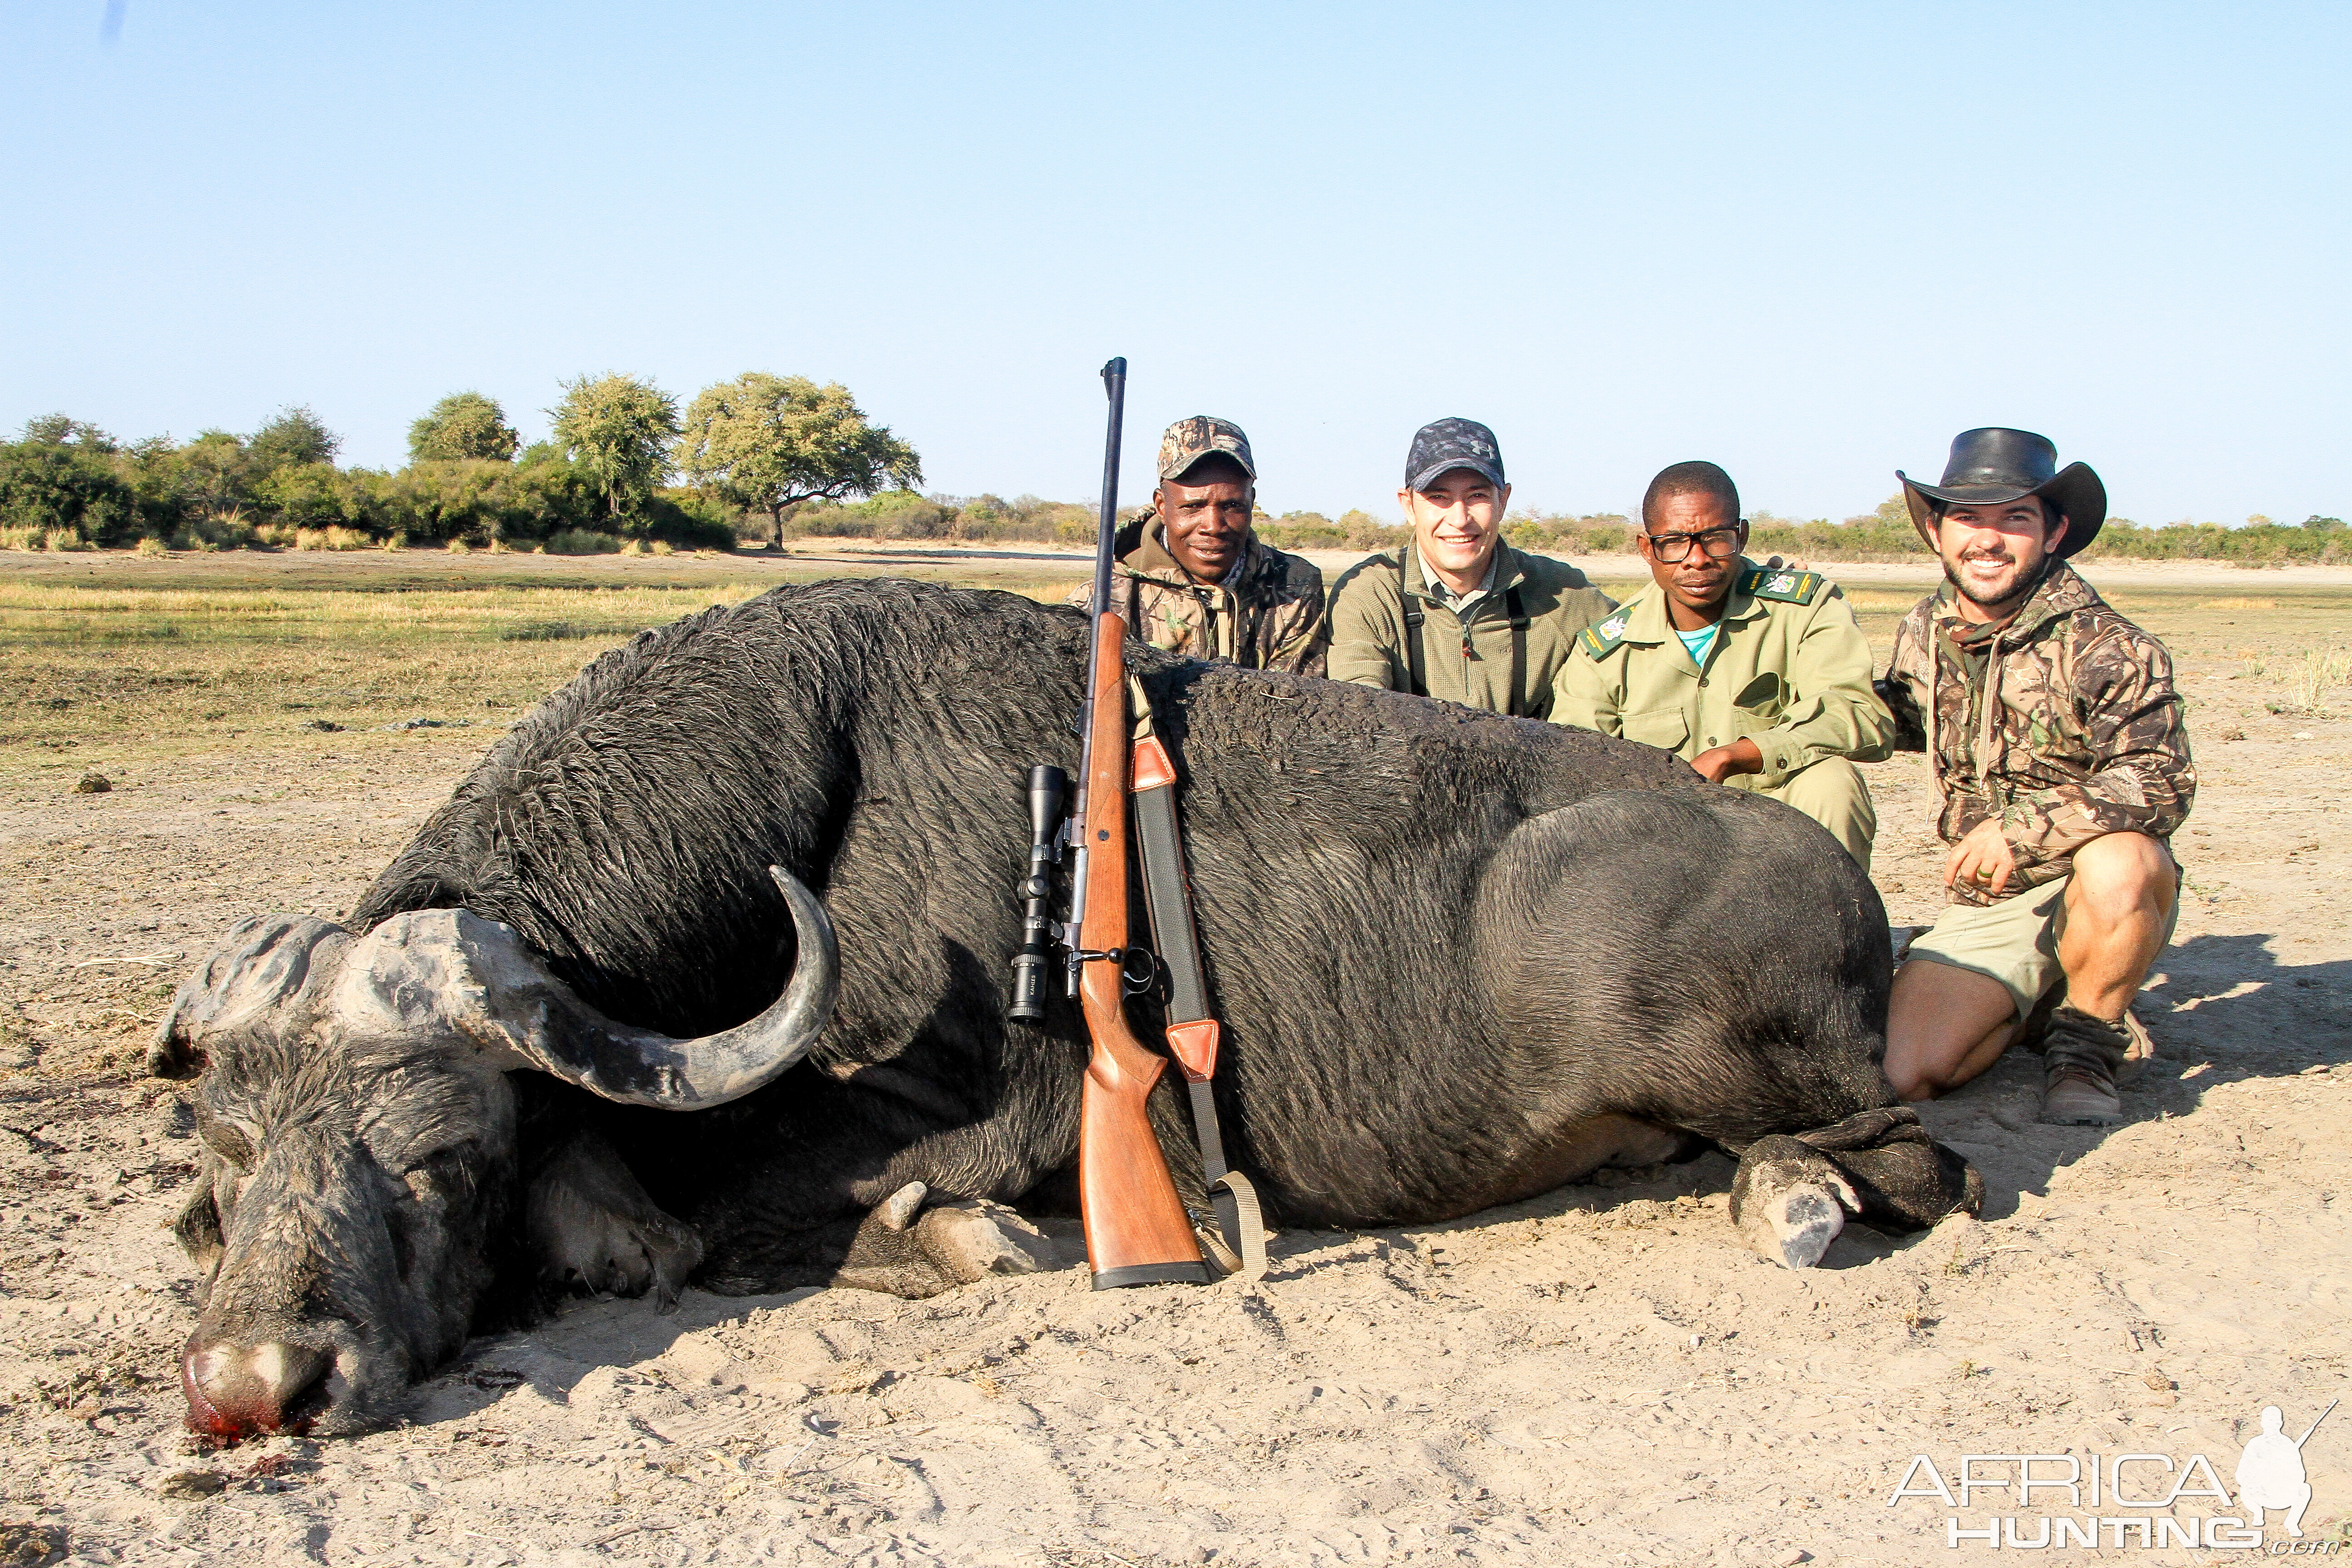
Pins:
<point x="1267" y="614"/>
<point x="2083" y="736"/>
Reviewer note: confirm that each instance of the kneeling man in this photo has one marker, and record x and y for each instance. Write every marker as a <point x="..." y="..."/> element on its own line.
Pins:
<point x="1756" y="677"/>
<point x="1195" y="578"/>
<point x="1457" y="613"/>
<point x="2057" y="745"/>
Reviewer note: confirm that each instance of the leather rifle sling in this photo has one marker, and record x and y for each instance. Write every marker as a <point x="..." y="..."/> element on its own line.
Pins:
<point x="1519" y="613"/>
<point x="1192" y="1030"/>
<point x="1416" y="682"/>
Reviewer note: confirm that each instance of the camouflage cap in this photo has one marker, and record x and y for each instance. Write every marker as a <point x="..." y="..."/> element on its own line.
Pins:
<point x="1188" y="441"/>
<point x="1447" y="444"/>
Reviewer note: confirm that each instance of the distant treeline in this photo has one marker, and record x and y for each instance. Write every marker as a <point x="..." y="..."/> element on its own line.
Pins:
<point x="759" y="443"/>
<point x="1883" y="534"/>
<point x="66" y="485"/>
<point x="767" y="456"/>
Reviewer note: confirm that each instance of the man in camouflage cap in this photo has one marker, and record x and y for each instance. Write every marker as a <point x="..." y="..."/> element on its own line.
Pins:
<point x="1455" y="612"/>
<point x="1193" y="576"/>
<point x="1757" y="676"/>
<point x="2059" y="751"/>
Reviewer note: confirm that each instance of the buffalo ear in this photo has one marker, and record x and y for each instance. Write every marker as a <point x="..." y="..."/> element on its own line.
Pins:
<point x="172" y="1054"/>
<point x="198" y="1228"/>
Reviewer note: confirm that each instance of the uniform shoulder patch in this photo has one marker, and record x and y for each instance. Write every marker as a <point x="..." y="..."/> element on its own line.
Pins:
<point x="1602" y="638"/>
<point x="1780" y="583"/>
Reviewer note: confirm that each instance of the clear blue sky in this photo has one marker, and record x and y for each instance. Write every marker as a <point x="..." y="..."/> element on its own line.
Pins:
<point x="1810" y="242"/>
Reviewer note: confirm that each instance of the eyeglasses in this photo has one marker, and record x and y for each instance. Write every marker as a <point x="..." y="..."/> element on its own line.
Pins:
<point x="1719" y="544"/>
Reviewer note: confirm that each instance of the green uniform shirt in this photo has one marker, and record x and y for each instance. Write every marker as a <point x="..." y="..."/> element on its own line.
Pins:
<point x="1368" y="629"/>
<point x="1788" y="668"/>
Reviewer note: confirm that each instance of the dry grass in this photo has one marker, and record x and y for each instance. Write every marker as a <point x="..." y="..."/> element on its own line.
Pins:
<point x="88" y="670"/>
<point x="211" y="652"/>
<point x="127" y="657"/>
<point x="2312" y="679"/>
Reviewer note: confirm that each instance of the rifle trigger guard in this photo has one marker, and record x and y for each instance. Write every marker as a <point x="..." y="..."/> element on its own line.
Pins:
<point x="1138" y="967"/>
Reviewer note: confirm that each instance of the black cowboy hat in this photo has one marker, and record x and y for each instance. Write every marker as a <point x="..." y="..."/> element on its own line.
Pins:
<point x="1993" y="465"/>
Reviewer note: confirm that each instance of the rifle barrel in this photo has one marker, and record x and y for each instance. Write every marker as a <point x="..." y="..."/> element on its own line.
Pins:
<point x="1114" y="376"/>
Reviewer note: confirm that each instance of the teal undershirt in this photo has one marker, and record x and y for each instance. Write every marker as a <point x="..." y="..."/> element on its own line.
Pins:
<point x="1697" y="642"/>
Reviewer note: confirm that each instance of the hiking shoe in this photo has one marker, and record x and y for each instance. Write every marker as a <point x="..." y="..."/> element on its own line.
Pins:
<point x="2083" y="1053"/>
<point x="2075" y="1096"/>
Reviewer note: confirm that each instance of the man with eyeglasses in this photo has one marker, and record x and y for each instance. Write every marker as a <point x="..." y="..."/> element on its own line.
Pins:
<point x="1757" y="676"/>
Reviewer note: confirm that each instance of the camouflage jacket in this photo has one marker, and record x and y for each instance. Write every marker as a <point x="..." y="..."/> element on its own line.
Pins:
<point x="2084" y="735"/>
<point x="1267" y="614"/>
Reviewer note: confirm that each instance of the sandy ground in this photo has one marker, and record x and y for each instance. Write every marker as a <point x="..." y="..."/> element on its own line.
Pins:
<point x="1601" y="1376"/>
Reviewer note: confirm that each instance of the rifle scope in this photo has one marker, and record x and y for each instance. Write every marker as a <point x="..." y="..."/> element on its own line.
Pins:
<point x="1047" y="787"/>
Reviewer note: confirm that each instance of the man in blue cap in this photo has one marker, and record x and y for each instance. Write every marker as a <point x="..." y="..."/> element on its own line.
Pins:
<point x="1457" y="613"/>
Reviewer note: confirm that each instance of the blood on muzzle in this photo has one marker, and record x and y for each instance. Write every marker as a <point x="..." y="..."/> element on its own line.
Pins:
<point x="244" y="1390"/>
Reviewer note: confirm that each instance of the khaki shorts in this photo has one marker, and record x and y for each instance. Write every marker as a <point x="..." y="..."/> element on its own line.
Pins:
<point x="2014" y="942"/>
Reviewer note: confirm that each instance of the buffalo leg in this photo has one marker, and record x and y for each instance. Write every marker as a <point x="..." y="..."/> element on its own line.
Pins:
<point x="1790" y="1198"/>
<point x="905" y="1245"/>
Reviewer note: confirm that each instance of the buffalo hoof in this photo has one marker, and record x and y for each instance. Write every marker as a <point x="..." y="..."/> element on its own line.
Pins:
<point x="1794" y="1228"/>
<point x="1789" y="1202"/>
<point x="906" y="1248"/>
<point x="595" y="1229"/>
<point x="973" y="1238"/>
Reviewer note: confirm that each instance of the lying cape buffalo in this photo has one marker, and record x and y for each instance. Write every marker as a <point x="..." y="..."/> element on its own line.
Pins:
<point x="1461" y="959"/>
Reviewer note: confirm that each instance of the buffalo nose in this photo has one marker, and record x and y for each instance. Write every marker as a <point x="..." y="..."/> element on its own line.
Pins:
<point x="237" y="1391"/>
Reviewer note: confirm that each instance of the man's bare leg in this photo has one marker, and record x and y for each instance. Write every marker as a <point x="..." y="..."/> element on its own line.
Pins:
<point x="1944" y="1027"/>
<point x="2123" y="889"/>
<point x="2115" y="909"/>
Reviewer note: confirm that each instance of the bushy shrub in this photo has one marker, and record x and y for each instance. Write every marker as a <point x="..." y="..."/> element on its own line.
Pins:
<point x="688" y="519"/>
<point x="78" y="489"/>
<point x="334" y="536"/>
<point x="2315" y="542"/>
<point x="1564" y="533"/>
<point x="67" y="485"/>
<point x="893" y="514"/>
<point x="1302" y="530"/>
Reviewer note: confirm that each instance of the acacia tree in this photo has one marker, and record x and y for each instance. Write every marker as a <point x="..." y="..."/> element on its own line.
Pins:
<point x="292" y="439"/>
<point x="619" y="429"/>
<point x="463" y="425"/>
<point x="769" y="442"/>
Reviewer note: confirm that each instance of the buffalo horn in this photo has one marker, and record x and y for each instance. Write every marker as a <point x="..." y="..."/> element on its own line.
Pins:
<point x="448" y="967"/>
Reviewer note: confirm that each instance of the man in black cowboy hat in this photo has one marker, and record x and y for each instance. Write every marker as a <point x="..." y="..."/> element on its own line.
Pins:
<point x="2057" y="745"/>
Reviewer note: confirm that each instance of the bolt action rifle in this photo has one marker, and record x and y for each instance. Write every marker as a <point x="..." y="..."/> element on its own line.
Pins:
<point x="1136" y="1228"/>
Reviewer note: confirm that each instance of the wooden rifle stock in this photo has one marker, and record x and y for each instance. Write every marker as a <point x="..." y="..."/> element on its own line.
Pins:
<point x="1136" y="1228"/>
